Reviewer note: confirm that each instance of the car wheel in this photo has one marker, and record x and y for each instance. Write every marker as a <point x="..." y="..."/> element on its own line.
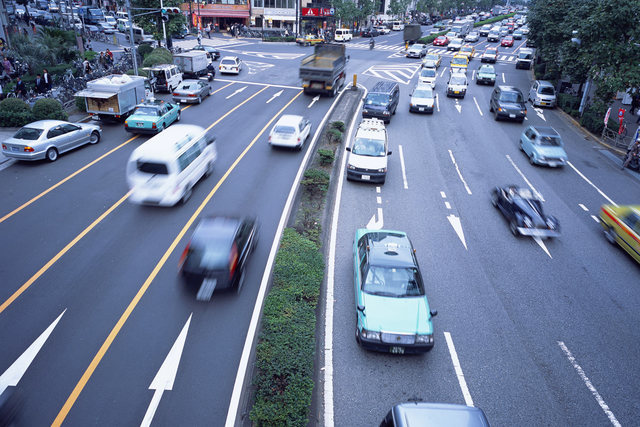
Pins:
<point x="52" y="154"/>
<point x="490" y="108"/>
<point x="161" y="128"/>
<point x="514" y="228"/>
<point x="209" y="170"/>
<point x="187" y="194"/>
<point x="199" y="100"/>
<point x="357" y="333"/>
<point x="178" y="116"/>
<point x="94" y="138"/>
<point x="496" y="118"/>
<point x="521" y="146"/>
<point x="610" y="235"/>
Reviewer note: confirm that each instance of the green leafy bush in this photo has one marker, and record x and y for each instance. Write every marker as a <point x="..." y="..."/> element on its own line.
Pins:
<point x="14" y="105"/>
<point x="285" y="352"/>
<point x="15" y="119"/>
<point x="593" y="117"/>
<point x="279" y="39"/>
<point x="164" y="54"/>
<point x="568" y="102"/>
<point x="48" y="108"/>
<point x="81" y="104"/>
<point x="338" y="125"/>
<point x="144" y="49"/>
<point x="326" y="156"/>
<point x="334" y="136"/>
<point x="90" y="55"/>
<point x="494" y="19"/>
<point x="316" y="181"/>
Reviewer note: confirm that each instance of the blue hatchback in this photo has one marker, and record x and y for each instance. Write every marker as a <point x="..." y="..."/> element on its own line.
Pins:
<point x="543" y="146"/>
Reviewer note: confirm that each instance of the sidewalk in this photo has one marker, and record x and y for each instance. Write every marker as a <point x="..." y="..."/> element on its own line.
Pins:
<point x="8" y="132"/>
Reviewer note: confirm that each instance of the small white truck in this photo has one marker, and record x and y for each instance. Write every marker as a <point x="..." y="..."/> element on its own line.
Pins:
<point x="114" y="97"/>
<point x="193" y="64"/>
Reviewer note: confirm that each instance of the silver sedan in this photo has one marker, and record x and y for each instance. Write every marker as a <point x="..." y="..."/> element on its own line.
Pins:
<point x="191" y="91"/>
<point x="46" y="139"/>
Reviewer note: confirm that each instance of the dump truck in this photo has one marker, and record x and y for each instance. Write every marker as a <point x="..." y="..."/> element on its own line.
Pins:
<point x="324" y="70"/>
<point x="412" y="33"/>
<point x="114" y="97"/>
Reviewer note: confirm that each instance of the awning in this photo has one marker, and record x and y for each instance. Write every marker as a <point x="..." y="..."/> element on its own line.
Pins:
<point x="222" y="13"/>
<point x="280" y="17"/>
<point x="88" y="93"/>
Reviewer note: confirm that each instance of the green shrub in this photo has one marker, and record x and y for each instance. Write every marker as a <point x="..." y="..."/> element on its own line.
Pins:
<point x="431" y="38"/>
<point x="144" y="50"/>
<point x="539" y="70"/>
<point x="285" y="352"/>
<point x="15" y="119"/>
<point x="334" y="136"/>
<point x="154" y="59"/>
<point x="494" y="19"/>
<point x="81" y="104"/>
<point x="14" y="105"/>
<point x="338" y="125"/>
<point x="326" y="156"/>
<point x="593" y="117"/>
<point x="164" y="54"/>
<point x="90" y="54"/>
<point x="48" y="108"/>
<point x="568" y="102"/>
<point x="279" y="39"/>
<point x="316" y="181"/>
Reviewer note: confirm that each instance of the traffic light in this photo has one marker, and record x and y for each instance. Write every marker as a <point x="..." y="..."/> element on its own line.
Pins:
<point x="166" y="11"/>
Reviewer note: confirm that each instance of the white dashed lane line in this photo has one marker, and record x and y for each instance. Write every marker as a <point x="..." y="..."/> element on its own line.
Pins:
<point x="536" y="192"/>
<point x="456" y="366"/>
<point x="592" y="184"/>
<point x="477" y="106"/>
<point x="404" y="172"/>
<point x="453" y="160"/>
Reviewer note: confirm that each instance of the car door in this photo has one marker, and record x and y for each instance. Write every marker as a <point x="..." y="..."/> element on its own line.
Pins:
<point x="533" y="91"/>
<point x="204" y="89"/>
<point x="526" y="140"/>
<point x="360" y="269"/>
<point x="75" y="135"/>
<point x="58" y="138"/>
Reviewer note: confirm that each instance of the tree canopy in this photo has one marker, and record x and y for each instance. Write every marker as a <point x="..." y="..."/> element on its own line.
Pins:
<point x="149" y="23"/>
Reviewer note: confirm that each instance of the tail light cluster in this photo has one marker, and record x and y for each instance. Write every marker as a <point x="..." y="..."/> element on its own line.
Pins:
<point x="183" y="257"/>
<point x="233" y="260"/>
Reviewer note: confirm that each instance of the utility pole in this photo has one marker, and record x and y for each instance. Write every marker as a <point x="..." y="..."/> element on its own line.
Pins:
<point x="164" y="30"/>
<point x="134" y="54"/>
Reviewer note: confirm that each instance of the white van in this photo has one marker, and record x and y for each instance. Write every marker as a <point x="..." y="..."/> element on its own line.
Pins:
<point x="369" y="152"/>
<point x="397" y="26"/>
<point x="343" y="35"/>
<point x="164" y="77"/>
<point x="163" y="170"/>
<point x="122" y="15"/>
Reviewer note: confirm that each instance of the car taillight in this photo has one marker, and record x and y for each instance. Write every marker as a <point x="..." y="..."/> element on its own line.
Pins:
<point x="153" y="125"/>
<point x="4" y="147"/>
<point x="184" y="255"/>
<point x="28" y="149"/>
<point x="192" y="96"/>
<point x="233" y="261"/>
<point x="269" y="139"/>
<point x="298" y="139"/>
<point x="176" y="94"/>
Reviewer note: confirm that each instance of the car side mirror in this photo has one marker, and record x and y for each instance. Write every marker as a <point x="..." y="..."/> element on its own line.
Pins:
<point x="434" y="313"/>
<point x="348" y="149"/>
<point x="389" y="153"/>
<point x="360" y="308"/>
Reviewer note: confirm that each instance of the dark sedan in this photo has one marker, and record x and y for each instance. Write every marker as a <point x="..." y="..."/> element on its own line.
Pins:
<point x="524" y="212"/>
<point x="212" y="53"/>
<point x="216" y="255"/>
<point x="369" y="32"/>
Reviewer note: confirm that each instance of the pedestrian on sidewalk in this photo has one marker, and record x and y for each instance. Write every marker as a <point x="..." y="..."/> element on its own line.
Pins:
<point x="47" y="79"/>
<point x="633" y="153"/>
<point x="109" y="54"/>
<point x="208" y="29"/>
<point x="39" y="84"/>
<point x="199" y="37"/>
<point x="20" y="89"/>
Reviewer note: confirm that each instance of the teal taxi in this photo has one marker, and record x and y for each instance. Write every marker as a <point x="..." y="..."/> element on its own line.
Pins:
<point x="392" y="310"/>
<point x="152" y="116"/>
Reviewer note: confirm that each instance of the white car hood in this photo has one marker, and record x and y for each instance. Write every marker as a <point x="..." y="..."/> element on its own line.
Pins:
<point x="422" y="101"/>
<point x="367" y="162"/>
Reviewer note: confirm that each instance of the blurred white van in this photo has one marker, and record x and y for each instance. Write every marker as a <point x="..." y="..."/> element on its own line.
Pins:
<point x="343" y="35"/>
<point x="163" y="170"/>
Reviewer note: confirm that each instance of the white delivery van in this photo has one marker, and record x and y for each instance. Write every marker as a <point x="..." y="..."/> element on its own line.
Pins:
<point x="163" y="170"/>
<point x="343" y="35"/>
<point x="369" y="152"/>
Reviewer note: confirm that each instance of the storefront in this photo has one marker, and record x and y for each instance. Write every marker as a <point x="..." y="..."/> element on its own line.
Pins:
<point x="222" y="16"/>
<point x="317" y="20"/>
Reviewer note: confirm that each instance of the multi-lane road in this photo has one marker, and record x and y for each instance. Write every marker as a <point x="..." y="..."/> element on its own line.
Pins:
<point x="542" y="332"/>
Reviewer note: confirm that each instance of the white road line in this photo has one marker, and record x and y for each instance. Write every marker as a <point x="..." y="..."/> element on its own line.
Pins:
<point x="241" y="373"/>
<point x="479" y="110"/>
<point x="328" y="310"/>
<point x="453" y="159"/>
<point x="525" y="178"/>
<point x="378" y="190"/>
<point x="595" y="218"/>
<point x="589" y="385"/>
<point x="437" y="103"/>
<point x="443" y="195"/>
<point x="448" y="205"/>
<point x="443" y="70"/>
<point x="584" y="208"/>
<point x="456" y="365"/>
<point x="473" y="75"/>
<point x="592" y="184"/>
<point x="379" y="200"/>
<point x="542" y="245"/>
<point x="503" y="80"/>
<point x="404" y="173"/>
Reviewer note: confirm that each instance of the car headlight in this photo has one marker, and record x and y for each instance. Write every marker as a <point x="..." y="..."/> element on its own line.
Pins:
<point x="351" y="167"/>
<point x="424" y="339"/>
<point x="542" y="158"/>
<point x="528" y="222"/>
<point x="382" y="170"/>
<point x="370" y="335"/>
<point x="411" y="104"/>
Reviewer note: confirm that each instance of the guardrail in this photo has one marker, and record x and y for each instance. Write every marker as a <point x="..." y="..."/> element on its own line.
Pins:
<point x="612" y="138"/>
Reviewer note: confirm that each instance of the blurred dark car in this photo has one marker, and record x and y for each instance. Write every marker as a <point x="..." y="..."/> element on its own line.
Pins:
<point x="369" y="32"/>
<point x="212" y="53"/>
<point x="422" y="414"/>
<point x="217" y="253"/>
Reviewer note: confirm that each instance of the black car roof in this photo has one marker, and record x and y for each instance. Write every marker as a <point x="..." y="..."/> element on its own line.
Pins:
<point x="388" y="248"/>
<point x="215" y="231"/>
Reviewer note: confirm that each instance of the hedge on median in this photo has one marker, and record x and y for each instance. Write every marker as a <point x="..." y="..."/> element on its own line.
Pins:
<point x="286" y="349"/>
<point x="15" y="112"/>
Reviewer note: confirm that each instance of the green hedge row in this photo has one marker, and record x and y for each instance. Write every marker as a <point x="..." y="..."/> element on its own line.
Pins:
<point x="279" y="39"/>
<point x="15" y="112"/>
<point x="286" y="348"/>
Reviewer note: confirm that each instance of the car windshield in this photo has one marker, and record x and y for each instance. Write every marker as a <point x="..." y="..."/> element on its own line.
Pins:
<point x="147" y="111"/>
<point x="393" y="282"/>
<point x="487" y="69"/>
<point x="288" y="130"/>
<point x="423" y="93"/>
<point x="377" y="99"/>
<point x="431" y="57"/>
<point x="459" y="61"/>
<point x="511" y="97"/>
<point x="428" y="72"/>
<point x="458" y="80"/>
<point x="212" y="257"/>
<point x="549" y="141"/>
<point x="153" y="168"/>
<point x="368" y="147"/>
<point x="30" y="134"/>
<point x="547" y="90"/>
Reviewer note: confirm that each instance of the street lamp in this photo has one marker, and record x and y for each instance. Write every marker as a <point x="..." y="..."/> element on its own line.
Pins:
<point x="587" y="86"/>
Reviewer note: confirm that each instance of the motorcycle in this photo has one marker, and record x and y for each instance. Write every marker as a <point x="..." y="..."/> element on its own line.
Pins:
<point x="371" y="44"/>
<point x="634" y="163"/>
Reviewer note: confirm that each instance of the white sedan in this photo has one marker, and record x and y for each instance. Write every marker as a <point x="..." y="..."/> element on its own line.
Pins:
<point x="230" y="65"/>
<point x="290" y="131"/>
<point x="382" y="29"/>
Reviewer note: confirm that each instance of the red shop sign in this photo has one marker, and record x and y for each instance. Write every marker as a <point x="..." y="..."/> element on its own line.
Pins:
<point x="310" y="11"/>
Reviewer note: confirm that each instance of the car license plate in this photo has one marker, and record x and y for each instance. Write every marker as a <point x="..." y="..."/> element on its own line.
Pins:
<point x="15" y="149"/>
<point x="456" y="91"/>
<point x="513" y="116"/>
<point x="553" y="164"/>
<point x="543" y="103"/>
<point x="366" y="177"/>
<point x="139" y="124"/>
<point x="420" y="109"/>
<point x="397" y="350"/>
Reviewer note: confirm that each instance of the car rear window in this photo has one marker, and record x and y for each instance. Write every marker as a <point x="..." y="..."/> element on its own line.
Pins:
<point x="212" y="257"/>
<point x="423" y="93"/>
<point x="228" y="62"/>
<point x="153" y="168"/>
<point x="147" y="111"/>
<point x="511" y="97"/>
<point x="188" y="86"/>
<point x="428" y="72"/>
<point x="547" y="90"/>
<point x="458" y="80"/>
<point x="29" y="134"/>
<point x="285" y="129"/>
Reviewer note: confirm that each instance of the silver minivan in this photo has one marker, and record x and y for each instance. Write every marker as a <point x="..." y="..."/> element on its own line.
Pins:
<point x="542" y="94"/>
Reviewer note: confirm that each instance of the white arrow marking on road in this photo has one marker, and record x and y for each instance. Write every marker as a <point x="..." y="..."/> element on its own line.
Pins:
<point x="540" y="113"/>
<point x="275" y="95"/>
<point x="313" y="101"/>
<point x="237" y="92"/>
<point x="376" y="225"/>
<point x="166" y="374"/>
<point x="457" y="226"/>
<point x="542" y="245"/>
<point x="11" y="377"/>
<point x="458" y="107"/>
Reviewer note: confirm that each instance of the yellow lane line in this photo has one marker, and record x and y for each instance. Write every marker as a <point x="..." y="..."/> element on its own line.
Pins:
<point x="64" y="250"/>
<point x="59" y="183"/>
<point x="134" y="302"/>
<point x="53" y="187"/>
